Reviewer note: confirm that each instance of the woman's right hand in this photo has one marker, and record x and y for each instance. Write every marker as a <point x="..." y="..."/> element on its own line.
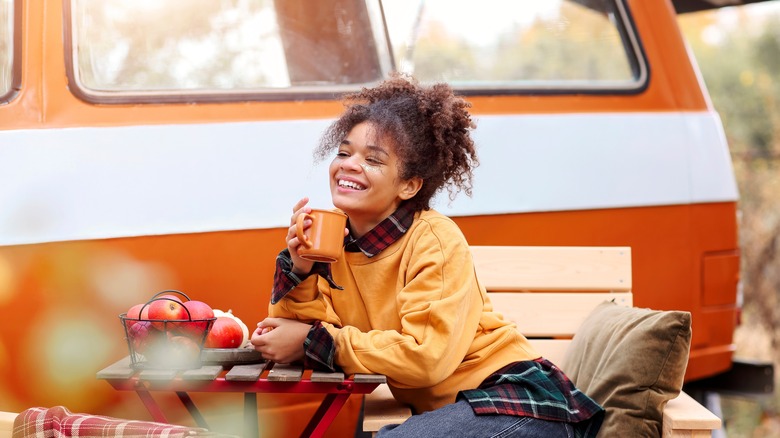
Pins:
<point x="300" y="266"/>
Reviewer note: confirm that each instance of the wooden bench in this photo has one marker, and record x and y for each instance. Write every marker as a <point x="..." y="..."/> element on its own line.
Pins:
<point x="548" y="292"/>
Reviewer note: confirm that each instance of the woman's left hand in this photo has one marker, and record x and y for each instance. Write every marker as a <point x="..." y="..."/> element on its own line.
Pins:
<point x="280" y="339"/>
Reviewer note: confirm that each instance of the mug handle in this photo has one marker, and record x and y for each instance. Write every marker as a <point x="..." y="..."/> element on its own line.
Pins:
<point x="299" y="229"/>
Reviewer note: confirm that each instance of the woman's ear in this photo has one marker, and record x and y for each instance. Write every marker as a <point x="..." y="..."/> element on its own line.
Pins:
<point x="410" y="187"/>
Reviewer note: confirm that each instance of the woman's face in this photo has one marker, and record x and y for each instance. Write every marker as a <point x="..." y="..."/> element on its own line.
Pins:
<point x="365" y="181"/>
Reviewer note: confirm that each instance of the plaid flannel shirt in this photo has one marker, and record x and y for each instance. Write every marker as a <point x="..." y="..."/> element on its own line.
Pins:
<point x="539" y="389"/>
<point x="528" y="388"/>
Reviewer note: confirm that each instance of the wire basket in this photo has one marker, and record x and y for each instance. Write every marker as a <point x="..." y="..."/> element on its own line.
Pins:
<point x="165" y="343"/>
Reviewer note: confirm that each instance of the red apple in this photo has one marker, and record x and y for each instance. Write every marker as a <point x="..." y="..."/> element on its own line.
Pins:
<point x="183" y="352"/>
<point x="145" y="311"/>
<point x="174" y="352"/>
<point x="170" y="297"/>
<point x="132" y="316"/>
<point x="135" y="311"/>
<point x="200" y="313"/>
<point x="164" y="309"/>
<point x="141" y="335"/>
<point x="225" y="333"/>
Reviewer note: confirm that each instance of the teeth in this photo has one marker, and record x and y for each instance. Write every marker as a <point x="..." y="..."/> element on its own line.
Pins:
<point x="350" y="185"/>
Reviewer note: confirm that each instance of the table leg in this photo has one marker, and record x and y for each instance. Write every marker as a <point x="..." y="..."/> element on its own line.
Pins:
<point x="326" y="413"/>
<point x="193" y="410"/>
<point x="251" y="427"/>
<point x="151" y="406"/>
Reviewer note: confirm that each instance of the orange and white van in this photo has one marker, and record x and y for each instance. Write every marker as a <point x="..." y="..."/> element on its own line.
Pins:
<point x="161" y="144"/>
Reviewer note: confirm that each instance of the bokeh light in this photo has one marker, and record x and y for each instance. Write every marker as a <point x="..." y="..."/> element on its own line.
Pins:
<point x="65" y="349"/>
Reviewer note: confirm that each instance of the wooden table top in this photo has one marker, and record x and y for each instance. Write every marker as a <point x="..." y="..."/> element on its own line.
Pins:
<point x="235" y="375"/>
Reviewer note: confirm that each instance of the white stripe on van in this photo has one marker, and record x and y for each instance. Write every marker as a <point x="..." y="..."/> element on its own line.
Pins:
<point x="87" y="183"/>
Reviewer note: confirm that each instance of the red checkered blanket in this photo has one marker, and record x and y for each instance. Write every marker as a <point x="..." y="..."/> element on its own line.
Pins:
<point x="59" y="422"/>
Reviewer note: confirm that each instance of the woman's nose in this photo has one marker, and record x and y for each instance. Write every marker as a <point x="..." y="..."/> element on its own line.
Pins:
<point x="351" y="163"/>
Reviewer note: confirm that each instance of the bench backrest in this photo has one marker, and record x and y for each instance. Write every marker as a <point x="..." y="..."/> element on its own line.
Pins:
<point x="548" y="291"/>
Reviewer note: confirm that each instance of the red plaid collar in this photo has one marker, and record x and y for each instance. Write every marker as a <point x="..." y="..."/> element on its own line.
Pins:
<point x="383" y="235"/>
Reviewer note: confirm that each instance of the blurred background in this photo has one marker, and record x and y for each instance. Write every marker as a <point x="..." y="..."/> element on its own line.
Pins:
<point x="738" y="50"/>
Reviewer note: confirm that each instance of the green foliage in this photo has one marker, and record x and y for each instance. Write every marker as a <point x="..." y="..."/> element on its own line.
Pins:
<point x="741" y="71"/>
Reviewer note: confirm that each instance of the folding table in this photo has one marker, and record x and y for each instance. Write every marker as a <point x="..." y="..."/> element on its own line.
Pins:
<point x="249" y="379"/>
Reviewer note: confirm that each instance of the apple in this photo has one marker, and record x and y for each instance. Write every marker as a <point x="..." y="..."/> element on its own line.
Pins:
<point x="169" y="296"/>
<point x="145" y="311"/>
<point x="183" y="352"/>
<point x="225" y="333"/>
<point x="200" y="313"/>
<point x="164" y="309"/>
<point x="132" y="316"/>
<point x="135" y="311"/>
<point x="244" y="328"/>
<point x="174" y="352"/>
<point x="141" y="335"/>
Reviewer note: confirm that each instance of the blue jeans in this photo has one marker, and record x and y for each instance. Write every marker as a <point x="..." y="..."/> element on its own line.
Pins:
<point x="459" y="420"/>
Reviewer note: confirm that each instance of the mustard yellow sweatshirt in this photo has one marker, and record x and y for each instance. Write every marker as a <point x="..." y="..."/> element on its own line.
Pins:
<point x="415" y="312"/>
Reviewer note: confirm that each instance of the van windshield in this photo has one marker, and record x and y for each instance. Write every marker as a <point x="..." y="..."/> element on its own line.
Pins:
<point x="282" y="49"/>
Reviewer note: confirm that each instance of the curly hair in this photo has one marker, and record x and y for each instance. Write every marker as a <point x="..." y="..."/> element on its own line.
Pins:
<point x="429" y="127"/>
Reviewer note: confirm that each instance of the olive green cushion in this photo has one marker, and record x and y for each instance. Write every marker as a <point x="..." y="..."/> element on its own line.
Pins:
<point x="631" y="361"/>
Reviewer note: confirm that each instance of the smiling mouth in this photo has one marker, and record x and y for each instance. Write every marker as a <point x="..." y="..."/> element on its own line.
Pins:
<point x="350" y="185"/>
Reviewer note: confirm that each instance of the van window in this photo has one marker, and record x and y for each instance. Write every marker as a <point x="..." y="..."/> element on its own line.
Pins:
<point x="195" y="50"/>
<point x="177" y="45"/>
<point x="7" y="50"/>
<point x="516" y="44"/>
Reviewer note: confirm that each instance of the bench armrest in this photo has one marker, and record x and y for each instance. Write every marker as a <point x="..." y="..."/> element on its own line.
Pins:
<point x="685" y="417"/>
<point x="7" y="424"/>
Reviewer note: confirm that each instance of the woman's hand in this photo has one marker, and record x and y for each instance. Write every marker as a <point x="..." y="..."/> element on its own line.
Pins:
<point x="280" y="339"/>
<point x="300" y="266"/>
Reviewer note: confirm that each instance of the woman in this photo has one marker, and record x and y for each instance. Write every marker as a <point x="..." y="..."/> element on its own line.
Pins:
<point x="404" y="300"/>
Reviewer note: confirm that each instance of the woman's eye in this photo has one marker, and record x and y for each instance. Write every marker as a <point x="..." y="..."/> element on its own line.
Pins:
<point x="373" y="161"/>
<point x="342" y="154"/>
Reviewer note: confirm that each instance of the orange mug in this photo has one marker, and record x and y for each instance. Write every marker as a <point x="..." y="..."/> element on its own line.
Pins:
<point x="324" y="239"/>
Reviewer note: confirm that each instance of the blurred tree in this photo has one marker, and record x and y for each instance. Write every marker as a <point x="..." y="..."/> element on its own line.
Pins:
<point x="150" y="45"/>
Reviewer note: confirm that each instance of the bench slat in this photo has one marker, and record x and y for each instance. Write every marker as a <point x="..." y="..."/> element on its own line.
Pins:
<point x="548" y="314"/>
<point x="553" y="350"/>
<point x="521" y="268"/>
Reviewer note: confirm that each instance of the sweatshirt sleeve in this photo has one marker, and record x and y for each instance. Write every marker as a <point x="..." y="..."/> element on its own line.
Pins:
<point x="440" y="305"/>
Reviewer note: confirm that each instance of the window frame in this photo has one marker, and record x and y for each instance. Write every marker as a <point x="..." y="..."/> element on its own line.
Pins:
<point x="625" y="27"/>
<point x="16" y="62"/>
